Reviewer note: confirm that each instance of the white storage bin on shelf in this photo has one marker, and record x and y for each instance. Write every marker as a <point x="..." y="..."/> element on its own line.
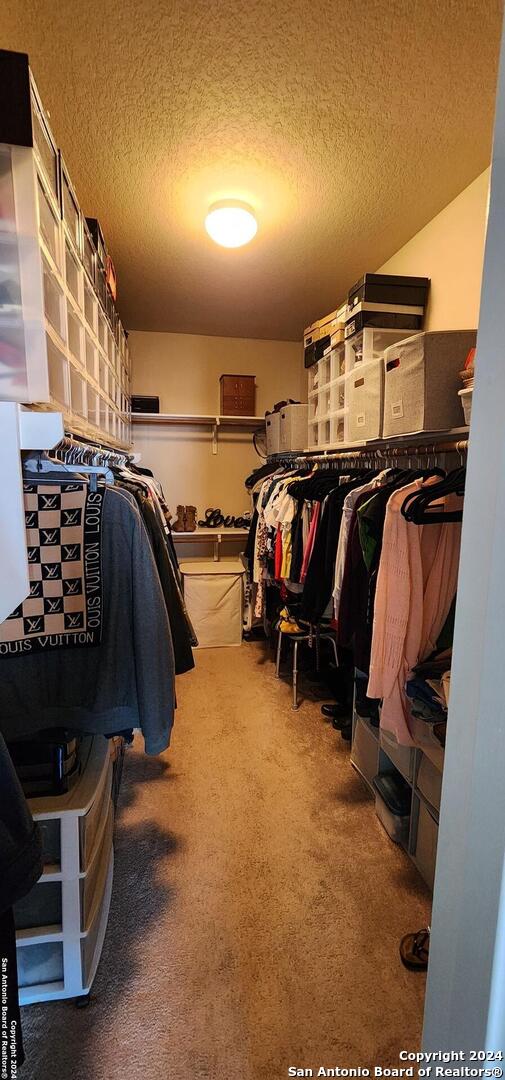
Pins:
<point x="272" y="425"/>
<point x="293" y="427"/>
<point x="465" y="397"/>
<point x="422" y="381"/>
<point x="365" y="392"/>
<point x="60" y="925"/>
<point x="214" y="597"/>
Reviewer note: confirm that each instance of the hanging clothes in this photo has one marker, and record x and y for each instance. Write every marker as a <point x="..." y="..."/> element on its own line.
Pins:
<point x="416" y="585"/>
<point x="111" y="668"/>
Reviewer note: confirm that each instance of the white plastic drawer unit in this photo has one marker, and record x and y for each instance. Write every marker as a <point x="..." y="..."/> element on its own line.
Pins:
<point x="401" y="757"/>
<point x="58" y="365"/>
<point x="429" y="782"/>
<point x="78" y="402"/>
<point x="90" y="307"/>
<point x="49" y="224"/>
<point x="90" y="356"/>
<point x="369" y="344"/>
<point x="73" y="274"/>
<point x="23" y="365"/>
<point x="365" y="750"/>
<point x="44" y="142"/>
<point x="70" y="207"/>
<point x="75" y="335"/>
<point x="54" y="302"/>
<point x="41" y="963"/>
<point x="425" y="840"/>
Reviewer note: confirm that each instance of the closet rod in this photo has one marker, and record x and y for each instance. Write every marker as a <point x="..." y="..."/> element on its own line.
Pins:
<point x="384" y="453"/>
<point x="79" y="450"/>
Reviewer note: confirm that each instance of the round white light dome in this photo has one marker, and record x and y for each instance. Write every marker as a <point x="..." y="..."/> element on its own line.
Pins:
<point x="231" y="224"/>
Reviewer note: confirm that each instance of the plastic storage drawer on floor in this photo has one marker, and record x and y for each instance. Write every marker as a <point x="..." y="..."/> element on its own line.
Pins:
<point x="402" y="757"/>
<point x="424" y="851"/>
<point x="429" y="782"/>
<point x="40" y="963"/>
<point x="421" y="381"/>
<point x="365" y="750"/>
<point x="393" y="799"/>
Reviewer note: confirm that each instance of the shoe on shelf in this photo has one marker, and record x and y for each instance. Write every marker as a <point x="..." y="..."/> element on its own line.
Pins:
<point x="189" y="518"/>
<point x="178" y="525"/>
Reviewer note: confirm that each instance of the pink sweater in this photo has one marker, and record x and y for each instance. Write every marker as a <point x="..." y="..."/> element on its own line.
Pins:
<point x="416" y="584"/>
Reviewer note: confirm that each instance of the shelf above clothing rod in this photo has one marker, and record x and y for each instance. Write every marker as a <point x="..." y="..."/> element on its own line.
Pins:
<point x="247" y="423"/>
<point x="198" y="420"/>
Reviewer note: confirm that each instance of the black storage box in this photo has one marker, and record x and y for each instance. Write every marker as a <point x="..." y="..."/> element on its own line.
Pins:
<point x="314" y="352"/>
<point x="392" y="319"/>
<point x="141" y="403"/>
<point x="98" y="240"/>
<point x="48" y="763"/>
<point x="390" y="289"/>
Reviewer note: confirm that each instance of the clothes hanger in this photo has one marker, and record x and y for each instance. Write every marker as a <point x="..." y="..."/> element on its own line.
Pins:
<point x="416" y="507"/>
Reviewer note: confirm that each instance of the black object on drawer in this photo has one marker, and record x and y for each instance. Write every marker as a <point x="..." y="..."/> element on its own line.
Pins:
<point x="390" y="289"/>
<point x="394" y="791"/>
<point x="382" y="320"/>
<point x="315" y="352"/>
<point x="145" y="404"/>
<point x="98" y="239"/>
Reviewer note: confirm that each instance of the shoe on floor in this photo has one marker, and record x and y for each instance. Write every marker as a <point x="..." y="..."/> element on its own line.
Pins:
<point x="346" y="732"/>
<point x="335" y="711"/>
<point x="415" y="950"/>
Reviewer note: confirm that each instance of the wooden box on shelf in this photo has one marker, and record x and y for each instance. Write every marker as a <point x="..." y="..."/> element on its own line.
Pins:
<point x="238" y="395"/>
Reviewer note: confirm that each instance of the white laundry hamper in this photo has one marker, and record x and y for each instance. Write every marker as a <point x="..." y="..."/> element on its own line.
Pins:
<point x="214" y="596"/>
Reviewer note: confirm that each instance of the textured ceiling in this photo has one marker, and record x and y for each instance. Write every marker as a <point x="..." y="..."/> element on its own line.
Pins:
<point x="347" y="125"/>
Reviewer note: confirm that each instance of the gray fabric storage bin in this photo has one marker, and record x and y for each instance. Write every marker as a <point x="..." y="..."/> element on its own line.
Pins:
<point x="294" y="427"/>
<point x="273" y="430"/>
<point x="365" y="396"/>
<point x="421" y="381"/>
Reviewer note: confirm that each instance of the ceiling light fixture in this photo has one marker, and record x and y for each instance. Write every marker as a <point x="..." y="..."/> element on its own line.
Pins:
<point x="231" y="224"/>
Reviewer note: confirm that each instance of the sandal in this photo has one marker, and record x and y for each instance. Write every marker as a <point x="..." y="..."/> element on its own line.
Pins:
<point x="415" y="950"/>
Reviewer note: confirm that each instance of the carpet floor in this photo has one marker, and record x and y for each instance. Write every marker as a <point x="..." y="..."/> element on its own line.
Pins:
<point x="257" y="903"/>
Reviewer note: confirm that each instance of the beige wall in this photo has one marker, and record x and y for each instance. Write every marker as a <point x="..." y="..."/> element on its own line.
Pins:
<point x="450" y="251"/>
<point x="183" y="370"/>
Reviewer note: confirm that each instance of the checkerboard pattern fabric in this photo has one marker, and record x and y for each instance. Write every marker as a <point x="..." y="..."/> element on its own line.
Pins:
<point x="64" y="605"/>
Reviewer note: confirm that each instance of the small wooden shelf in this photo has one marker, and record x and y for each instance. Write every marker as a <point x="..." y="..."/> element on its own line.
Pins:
<point x="210" y="536"/>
